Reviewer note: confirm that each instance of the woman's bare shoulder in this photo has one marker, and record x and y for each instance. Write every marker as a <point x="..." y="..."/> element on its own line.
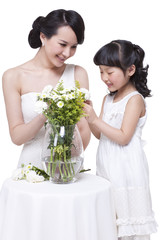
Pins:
<point x="79" y="68"/>
<point x="14" y="74"/>
<point x="11" y="78"/>
<point x="81" y="75"/>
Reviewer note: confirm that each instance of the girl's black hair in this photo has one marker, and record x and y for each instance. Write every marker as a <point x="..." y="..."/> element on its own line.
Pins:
<point x="49" y="25"/>
<point x="123" y="54"/>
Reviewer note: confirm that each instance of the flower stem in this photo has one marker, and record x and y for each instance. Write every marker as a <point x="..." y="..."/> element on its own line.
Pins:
<point x="51" y="154"/>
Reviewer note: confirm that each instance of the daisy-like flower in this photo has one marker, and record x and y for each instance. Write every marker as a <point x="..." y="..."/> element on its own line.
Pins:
<point x="62" y="107"/>
<point x="40" y="106"/>
<point x="32" y="177"/>
<point x="86" y="93"/>
<point x="69" y="89"/>
<point x="44" y="95"/>
<point x="60" y="104"/>
<point x="71" y="95"/>
<point x="47" y="90"/>
<point x="27" y="168"/>
<point x="30" y="173"/>
<point x="18" y="174"/>
<point x="66" y="97"/>
<point x="59" y="97"/>
<point x="51" y="100"/>
<point x="54" y="97"/>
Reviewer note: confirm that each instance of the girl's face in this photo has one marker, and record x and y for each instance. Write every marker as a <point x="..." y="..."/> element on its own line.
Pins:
<point x="114" y="77"/>
<point x="60" y="47"/>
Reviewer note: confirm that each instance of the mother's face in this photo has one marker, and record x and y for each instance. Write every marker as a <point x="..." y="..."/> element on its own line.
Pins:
<point x="61" y="46"/>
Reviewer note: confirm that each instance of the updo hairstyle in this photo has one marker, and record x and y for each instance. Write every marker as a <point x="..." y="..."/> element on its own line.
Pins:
<point x="49" y="25"/>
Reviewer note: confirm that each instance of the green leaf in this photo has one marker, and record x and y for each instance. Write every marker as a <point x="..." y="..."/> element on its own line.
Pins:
<point x="77" y="84"/>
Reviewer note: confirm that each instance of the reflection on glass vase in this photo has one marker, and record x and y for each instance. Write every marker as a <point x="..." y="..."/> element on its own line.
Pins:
<point x="62" y="153"/>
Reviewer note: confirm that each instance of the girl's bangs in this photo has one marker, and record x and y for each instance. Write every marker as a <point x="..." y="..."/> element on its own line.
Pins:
<point x="108" y="55"/>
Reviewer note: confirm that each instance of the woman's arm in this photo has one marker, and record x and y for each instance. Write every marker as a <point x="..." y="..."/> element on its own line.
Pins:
<point x="82" y="77"/>
<point x="19" y="131"/>
<point x="134" y="110"/>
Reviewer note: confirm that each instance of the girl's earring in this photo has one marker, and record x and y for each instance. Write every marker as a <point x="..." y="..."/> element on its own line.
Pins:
<point x="42" y="44"/>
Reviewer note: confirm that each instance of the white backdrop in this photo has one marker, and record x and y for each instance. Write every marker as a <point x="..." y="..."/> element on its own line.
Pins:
<point x="137" y="21"/>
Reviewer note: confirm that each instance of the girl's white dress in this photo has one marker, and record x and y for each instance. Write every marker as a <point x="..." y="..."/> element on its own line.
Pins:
<point x="31" y="152"/>
<point x="127" y="169"/>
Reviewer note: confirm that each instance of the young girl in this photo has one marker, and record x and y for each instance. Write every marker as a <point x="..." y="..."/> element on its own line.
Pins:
<point x="120" y="155"/>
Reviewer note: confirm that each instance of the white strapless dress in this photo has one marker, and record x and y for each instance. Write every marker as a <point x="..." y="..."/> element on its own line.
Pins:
<point x="31" y="151"/>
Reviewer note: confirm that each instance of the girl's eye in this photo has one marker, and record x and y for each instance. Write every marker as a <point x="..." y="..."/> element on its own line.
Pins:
<point x="74" y="46"/>
<point x="110" y="73"/>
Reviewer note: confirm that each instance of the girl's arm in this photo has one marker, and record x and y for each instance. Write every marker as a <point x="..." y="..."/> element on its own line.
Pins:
<point x="135" y="109"/>
<point x="19" y="131"/>
<point x="82" y="77"/>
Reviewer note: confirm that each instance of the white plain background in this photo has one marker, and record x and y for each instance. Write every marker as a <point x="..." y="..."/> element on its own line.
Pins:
<point x="137" y="21"/>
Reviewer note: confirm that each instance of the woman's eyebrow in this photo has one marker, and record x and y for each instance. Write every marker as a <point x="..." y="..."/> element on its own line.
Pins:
<point x="67" y="42"/>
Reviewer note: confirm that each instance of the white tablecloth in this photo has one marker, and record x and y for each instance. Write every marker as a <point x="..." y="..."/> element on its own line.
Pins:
<point x="46" y="211"/>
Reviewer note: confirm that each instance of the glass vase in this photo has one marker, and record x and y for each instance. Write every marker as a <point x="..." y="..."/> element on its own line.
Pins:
<point x="62" y="153"/>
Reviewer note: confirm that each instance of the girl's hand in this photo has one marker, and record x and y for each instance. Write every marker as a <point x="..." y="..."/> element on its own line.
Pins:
<point x="89" y="102"/>
<point x="91" y="115"/>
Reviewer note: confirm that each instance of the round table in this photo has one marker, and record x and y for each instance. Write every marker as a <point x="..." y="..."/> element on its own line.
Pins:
<point x="83" y="210"/>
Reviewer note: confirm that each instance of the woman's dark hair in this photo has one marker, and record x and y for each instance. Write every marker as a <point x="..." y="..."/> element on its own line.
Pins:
<point x="123" y="54"/>
<point x="49" y="25"/>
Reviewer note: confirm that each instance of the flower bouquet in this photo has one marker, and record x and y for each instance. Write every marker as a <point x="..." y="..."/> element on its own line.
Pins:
<point x="62" y="151"/>
<point x="30" y="173"/>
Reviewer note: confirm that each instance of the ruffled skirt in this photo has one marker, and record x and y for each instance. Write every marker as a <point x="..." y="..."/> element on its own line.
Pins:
<point x="142" y="237"/>
<point x="134" y="213"/>
<point x="128" y="172"/>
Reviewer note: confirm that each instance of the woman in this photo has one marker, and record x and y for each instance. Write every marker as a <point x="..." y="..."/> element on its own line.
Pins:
<point x="57" y="36"/>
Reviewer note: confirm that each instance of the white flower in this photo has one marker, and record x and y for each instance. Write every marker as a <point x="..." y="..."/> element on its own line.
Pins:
<point x="54" y="97"/>
<point x="26" y="172"/>
<point x="17" y="174"/>
<point x="62" y="92"/>
<point x="59" y="97"/>
<point x="66" y="97"/>
<point x="38" y="94"/>
<point x="33" y="177"/>
<point x="71" y="95"/>
<point x="66" y="90"/>
<point x="60" y="104"/>
<point x="69" y="89"/>
<point x="44" y="95"/>
<point x="27" y="167"/>
<point x="86" y="92"/>
<point x="40" y="106"/>
<point x="47" y="89"/>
